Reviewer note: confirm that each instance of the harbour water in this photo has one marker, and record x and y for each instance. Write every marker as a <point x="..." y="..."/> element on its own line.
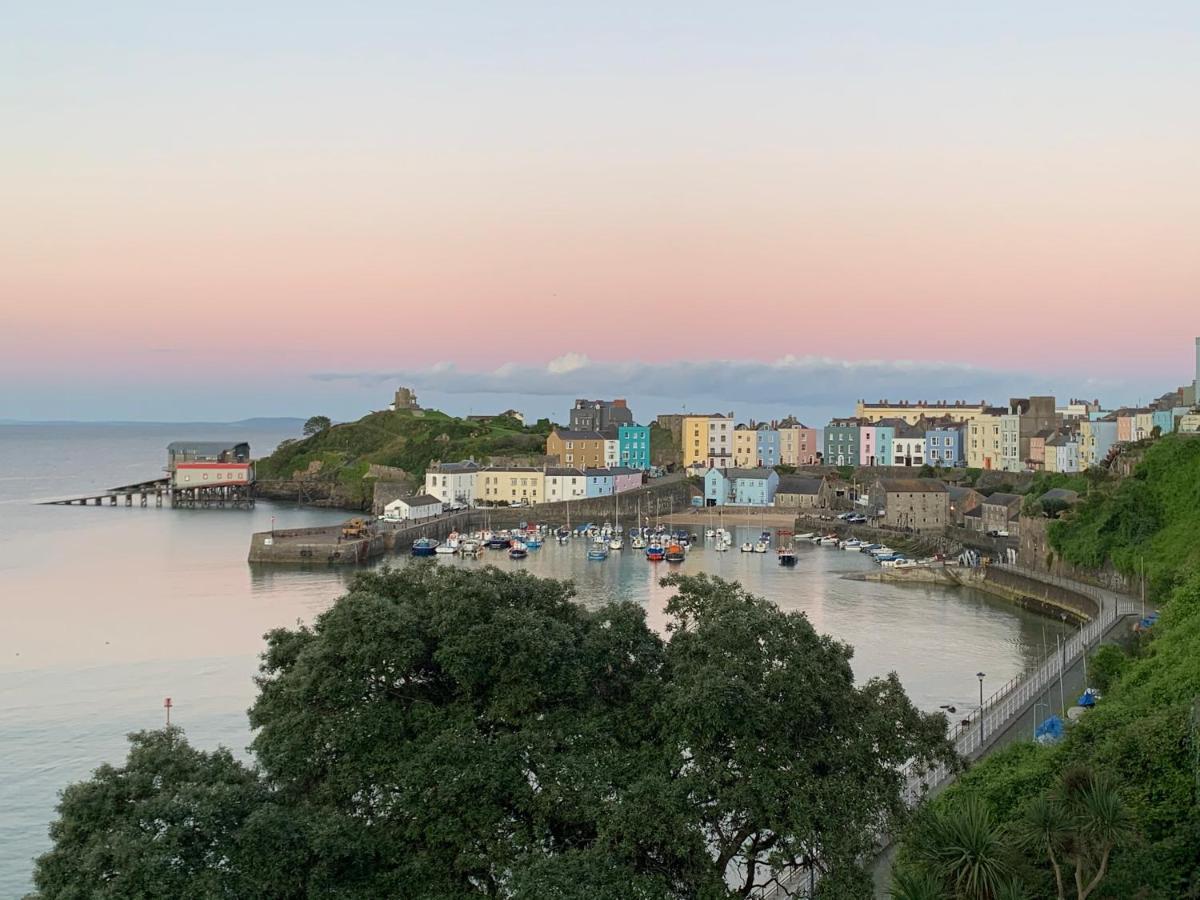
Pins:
<point x="105" y="611"/>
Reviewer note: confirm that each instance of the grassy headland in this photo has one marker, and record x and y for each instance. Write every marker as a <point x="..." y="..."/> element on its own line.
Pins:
<point x="401" y="439"/>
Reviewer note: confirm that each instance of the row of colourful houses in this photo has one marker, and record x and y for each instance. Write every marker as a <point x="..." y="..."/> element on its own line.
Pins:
<point x="466" y="483"/>
<point x="716" y="441"/>
<point x="1029" y="433"/>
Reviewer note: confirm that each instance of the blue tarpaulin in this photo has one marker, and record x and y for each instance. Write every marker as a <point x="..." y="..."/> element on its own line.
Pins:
<point x="1049" y="731"/>
<point x="1087" y="698"/>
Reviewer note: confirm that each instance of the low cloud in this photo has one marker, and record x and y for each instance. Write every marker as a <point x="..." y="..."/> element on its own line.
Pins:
<point x="792" y="381"/>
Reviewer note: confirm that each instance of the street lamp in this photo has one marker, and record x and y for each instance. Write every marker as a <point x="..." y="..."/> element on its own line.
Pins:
<point x="980" y="676"/>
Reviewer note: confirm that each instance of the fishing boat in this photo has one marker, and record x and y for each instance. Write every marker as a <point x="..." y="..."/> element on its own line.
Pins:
<point x="517" y="550"/>
<point x="675" y="553"/>
<point x="787" y="556"/>
<point x="424" y="547"/>
<point x="655" y="551"/>
<point x="533" y="541"/>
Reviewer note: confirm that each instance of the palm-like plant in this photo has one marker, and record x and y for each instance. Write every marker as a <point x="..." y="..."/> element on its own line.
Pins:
<point x="1045" y="830"/>
<point x="1079" y="824"/>
<point x="916" y="884"/>
<point x="963" y="848"/>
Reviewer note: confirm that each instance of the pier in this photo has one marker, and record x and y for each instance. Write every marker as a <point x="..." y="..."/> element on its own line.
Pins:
<point x="355" y="541"/>
<point x="159" y="489"/>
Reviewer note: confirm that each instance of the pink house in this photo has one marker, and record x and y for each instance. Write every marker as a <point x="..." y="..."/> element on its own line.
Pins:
<point x="1125" y="420"/>
<point x="867" y="448"/>
<point x="625" y="479"/>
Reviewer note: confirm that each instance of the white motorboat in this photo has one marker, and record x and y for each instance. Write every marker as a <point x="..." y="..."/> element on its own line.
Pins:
<point x="747" y="547"/>
<point x="807" y="536"/>
<point x="830" y="541"/>
<point x="638" y="542"/>
<point x="710" y="532"/>
<point x="760" y="547"/>
<point x="616" y="543"/>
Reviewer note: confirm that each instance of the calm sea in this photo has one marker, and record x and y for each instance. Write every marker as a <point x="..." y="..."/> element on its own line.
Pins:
<point x="105" y="611"/>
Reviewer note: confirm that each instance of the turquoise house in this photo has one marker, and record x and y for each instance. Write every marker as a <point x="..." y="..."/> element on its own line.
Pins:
<point x="634" y="446"/>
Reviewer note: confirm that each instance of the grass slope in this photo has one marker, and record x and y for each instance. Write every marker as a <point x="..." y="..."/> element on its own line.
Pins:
<point x="1145" y="731"/>
<point x="403" y="440"/>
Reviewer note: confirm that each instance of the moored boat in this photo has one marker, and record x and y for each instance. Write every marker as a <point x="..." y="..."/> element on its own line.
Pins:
<point x="655" y="552"/>
<point x="747" y="547"/>
<point x="675" y="553"/>
<point x="424" y="547"/>
<point x="787" y="556"/>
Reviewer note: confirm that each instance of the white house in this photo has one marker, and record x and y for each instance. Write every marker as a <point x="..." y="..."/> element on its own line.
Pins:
<point x="565" y="484"/>
<point x="612" y="452"/>
<point x="422" y="506"/>
<point x="452" y="483"/>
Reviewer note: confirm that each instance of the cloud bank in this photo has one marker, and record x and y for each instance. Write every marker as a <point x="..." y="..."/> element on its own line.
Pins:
<point x="791" y="381"/>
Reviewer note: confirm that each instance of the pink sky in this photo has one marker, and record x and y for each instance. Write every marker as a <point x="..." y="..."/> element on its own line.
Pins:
<point x="976" y="192"/>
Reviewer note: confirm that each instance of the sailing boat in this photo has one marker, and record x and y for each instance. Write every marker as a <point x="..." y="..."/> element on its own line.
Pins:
<point x="617" y="542"/>
<point x="638" y="542"/>
<point x="564" y="531"/>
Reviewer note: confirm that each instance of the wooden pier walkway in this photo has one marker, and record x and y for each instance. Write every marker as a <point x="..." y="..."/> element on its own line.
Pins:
<point x="160" y="489"/>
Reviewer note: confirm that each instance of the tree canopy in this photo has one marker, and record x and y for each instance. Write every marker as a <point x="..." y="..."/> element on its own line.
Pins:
<point x="445" y="733"/>
<point x="317" y="424"/>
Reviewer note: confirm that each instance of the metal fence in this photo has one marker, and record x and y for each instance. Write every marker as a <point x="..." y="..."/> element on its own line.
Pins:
<point x="998" y="711"/>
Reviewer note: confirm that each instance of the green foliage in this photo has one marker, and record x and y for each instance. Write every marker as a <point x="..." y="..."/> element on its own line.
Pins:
<point x="317" y="424"/>
<point x="846" y="473"/>
<point x="927" y="471"/>
<point x="173" y="822"/>
<point x="1106" y="665"/>
<point x="664" y="451"/>
<point x="785" y="469"/>
<point x="448" y="733"/>
<point x="404" y="439"/>
<point x="973" y="476"/>
<point x="1140" y="736"/>
<point x="1152" y="516"/>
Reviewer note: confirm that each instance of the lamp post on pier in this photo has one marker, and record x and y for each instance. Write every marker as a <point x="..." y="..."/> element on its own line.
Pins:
<point x="981" y="676"/>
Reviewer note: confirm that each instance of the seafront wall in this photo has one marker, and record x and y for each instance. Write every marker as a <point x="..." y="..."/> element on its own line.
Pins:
<point x="1025" y="591"/>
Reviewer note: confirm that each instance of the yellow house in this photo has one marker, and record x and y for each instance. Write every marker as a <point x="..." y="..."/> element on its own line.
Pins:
<point x="745" y="447"/>
<point x="912" y="412"/>
<point x="511" y="485"/>
<point x="707" y="440"/>
<point x="577" y="449"/>
<point x="983" y="443"/>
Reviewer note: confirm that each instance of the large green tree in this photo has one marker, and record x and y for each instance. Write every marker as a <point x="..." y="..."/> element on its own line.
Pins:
<point x="446" y="733"/>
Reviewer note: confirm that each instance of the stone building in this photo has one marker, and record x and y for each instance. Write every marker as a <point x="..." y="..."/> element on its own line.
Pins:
<point x="916" y="504"/>
<point x="802" y="493"/>
<point x="600" y="415"/>
<point x="406" y="398"/>
<point x="1002" y="512"/>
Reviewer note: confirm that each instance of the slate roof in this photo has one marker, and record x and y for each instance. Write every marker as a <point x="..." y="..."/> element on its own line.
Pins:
<point x="564" y="470"/>
<point x="1003" y="499"/>
<point x="798" y="484"/>
<point x="421" y="500"/>
<point x="567" y="435"/>
<point x="757" y="473"/>
<point x="1067" y="496"/>
<point x="911" y="485"/>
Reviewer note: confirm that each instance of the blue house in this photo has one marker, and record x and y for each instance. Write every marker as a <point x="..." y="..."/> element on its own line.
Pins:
<point x="754" y="487"/>
<point x="944" y="446"/>
<point x="599" y="482"/>
<point x="1164" y="419"/>
<point x="634" y="446"/>
<point x="766" y="446"/>
<point x="716" y="488"/>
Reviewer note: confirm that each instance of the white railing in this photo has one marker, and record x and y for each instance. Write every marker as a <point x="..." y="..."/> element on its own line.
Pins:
<point x="998" y="710"/>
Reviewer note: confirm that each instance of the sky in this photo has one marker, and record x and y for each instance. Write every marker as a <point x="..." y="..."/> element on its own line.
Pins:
<point x="220" y="210"/>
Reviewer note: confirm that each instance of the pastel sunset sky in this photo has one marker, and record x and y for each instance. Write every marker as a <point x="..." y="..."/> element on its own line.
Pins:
<point x="220" y="210"/>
